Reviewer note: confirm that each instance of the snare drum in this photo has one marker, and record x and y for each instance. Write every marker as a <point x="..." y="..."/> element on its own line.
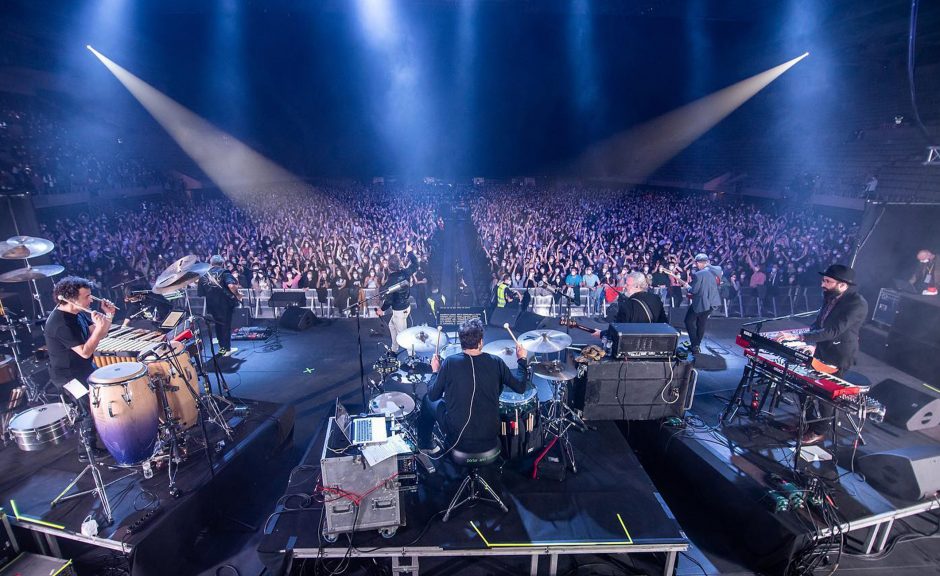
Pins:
<point x="396" y="405"/>
<point x="41" y="426"/>
<point x="126" y="411"/>
<point x="519" y="428"/>
<point x="176" y="370"/>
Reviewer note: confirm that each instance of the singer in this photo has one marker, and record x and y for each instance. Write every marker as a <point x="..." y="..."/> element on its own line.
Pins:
<point x="73" y="332"/>
<point x="398" y="298"/>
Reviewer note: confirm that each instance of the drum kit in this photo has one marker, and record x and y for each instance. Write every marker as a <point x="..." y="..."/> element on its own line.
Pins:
<point x="525" y="421"/>
<point x="145" y="410"/>
<point x="16" y="331"/>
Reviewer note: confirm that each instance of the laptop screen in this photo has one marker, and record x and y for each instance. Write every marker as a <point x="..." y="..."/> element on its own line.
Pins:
<point x="341" y="416"/>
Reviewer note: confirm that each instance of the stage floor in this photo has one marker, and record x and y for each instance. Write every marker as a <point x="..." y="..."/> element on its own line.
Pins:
<point x="610" y="506"/>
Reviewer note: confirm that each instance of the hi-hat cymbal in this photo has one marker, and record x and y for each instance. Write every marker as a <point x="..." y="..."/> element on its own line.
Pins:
<point x="553" y="371"/>
<point x="20" y="247"/>
<point x="420" y="339"/>
<point x="31" y="273"/>
<point x="505" y="350"/>
<point x="180" y="274"/>
<point x="544" y="341"/>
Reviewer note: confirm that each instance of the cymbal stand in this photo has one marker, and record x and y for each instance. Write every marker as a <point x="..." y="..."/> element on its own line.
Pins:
<point x="210" y="400"/>
<point x="559" y="419"/>
<point x="34" y="393"/>
<point x="170" y="431"/>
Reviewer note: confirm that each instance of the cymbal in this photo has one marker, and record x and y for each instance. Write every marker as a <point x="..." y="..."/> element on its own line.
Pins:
<point x="32" y="273"/>
<point x="544" y="341"/>
<point x="553" y="371"/>
<point x="420" y="339"/>
<point x="505" y="350"/>
<point x="180" y="274"/>
<point x="20" y="247"/>
<point x="450" y="350"/>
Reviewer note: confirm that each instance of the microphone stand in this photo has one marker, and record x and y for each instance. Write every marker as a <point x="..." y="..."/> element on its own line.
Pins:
<point x="358" y="311"/>
<point x="568" y="301"/>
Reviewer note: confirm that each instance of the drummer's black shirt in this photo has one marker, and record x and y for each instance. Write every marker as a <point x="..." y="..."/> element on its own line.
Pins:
<point x="455" y="384"/>
<point x="64" y="331"/>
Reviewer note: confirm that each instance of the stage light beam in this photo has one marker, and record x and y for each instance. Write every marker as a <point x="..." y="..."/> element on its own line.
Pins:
<point x="634" y="155"/>
<point x="238" y="170"/>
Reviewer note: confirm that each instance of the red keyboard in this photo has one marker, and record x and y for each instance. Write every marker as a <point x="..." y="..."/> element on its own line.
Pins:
<point x="816" y="382"/>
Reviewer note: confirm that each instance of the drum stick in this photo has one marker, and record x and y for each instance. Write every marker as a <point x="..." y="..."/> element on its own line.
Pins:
<point x="511" y="335"/>
<point x="82" y="308"/>
<point x="438" y="346"/>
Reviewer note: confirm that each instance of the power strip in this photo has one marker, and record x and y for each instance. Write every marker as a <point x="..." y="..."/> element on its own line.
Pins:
<point x="142" y="522"/>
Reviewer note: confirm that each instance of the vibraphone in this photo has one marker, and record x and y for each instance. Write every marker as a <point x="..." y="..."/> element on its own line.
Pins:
<point x="125" y="344"/>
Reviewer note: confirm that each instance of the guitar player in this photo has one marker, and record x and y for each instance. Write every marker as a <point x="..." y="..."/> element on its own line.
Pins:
<point x="835" y="334"/>
<point x="220" y="289"/>
<point x="636" y="304"/>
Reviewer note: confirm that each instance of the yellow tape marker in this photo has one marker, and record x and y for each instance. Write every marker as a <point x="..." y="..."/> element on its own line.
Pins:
<point x="57" y="572"/>
<point x="16" y="514"/>
<point x="628" y="541"/>
<point x="925" y="385"/>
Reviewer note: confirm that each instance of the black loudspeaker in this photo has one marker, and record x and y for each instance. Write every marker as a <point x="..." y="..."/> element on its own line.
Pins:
<point x="241" y="317"/>
<point x="285" y="299"/>
<point x="527" y="321"/>
<point x="907" y="407"/>
<point x="909" y="473"/>
<point x="634" y="390"/>
<point x="297" y="318"/>
<point x="504" y="315"/>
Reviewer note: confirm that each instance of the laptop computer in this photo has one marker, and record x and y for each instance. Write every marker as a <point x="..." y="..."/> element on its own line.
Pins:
<point x="360" y="430"/>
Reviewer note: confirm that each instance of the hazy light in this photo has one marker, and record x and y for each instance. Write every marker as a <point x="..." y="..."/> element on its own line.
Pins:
<point x="634" y="155"/>
<point x="238" y="170"/>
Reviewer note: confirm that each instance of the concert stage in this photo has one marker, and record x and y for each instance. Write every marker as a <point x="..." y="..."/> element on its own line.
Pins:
<point x="31" y="480"/>
<point x="610" y="507"/>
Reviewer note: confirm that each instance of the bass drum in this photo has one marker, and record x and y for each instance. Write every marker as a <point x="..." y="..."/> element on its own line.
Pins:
<point x="41" y="426"/>
<point x="126" y="411"/>
<point x="520" y="430"/>
<point x="177" y="370"/>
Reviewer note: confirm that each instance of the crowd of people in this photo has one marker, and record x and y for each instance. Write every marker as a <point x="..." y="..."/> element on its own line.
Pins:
<point x="337" y="237"/>
<point x="579" y="239"/>
<point x="39" y="153"/>
<point x="340" y="237"/>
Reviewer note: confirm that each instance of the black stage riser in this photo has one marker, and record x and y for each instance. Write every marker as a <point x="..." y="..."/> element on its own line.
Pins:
<point x="735" y="506"/>
<point x="170" y="543"/>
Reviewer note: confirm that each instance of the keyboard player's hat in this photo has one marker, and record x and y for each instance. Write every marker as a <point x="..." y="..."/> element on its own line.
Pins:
<point x="841" y="273"/>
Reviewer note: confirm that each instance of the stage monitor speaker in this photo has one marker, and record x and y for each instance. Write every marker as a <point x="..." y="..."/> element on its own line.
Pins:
<point x="527" y="321"/>
<point x="296" y="318"/>
<point x="504" y="315"/>
<point x="241" y="317"/>
<point x="907" y="407"/>
<point x="285" y="299"/>
<point x="910" y="473"/>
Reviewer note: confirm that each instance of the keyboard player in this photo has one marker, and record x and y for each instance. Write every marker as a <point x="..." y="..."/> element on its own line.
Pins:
<point x="835" y="336"/>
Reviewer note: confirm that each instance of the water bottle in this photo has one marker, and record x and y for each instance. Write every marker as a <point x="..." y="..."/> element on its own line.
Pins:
<point x="148" y="471"/>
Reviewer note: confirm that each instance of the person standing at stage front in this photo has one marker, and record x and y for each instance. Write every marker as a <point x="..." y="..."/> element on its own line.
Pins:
<point x="398" y="301"/>
<point x="705" y="298"/>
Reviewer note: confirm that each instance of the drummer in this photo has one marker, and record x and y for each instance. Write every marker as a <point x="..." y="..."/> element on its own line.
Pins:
<point x="463" y="394"/>
<point x="72" y="335"/>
